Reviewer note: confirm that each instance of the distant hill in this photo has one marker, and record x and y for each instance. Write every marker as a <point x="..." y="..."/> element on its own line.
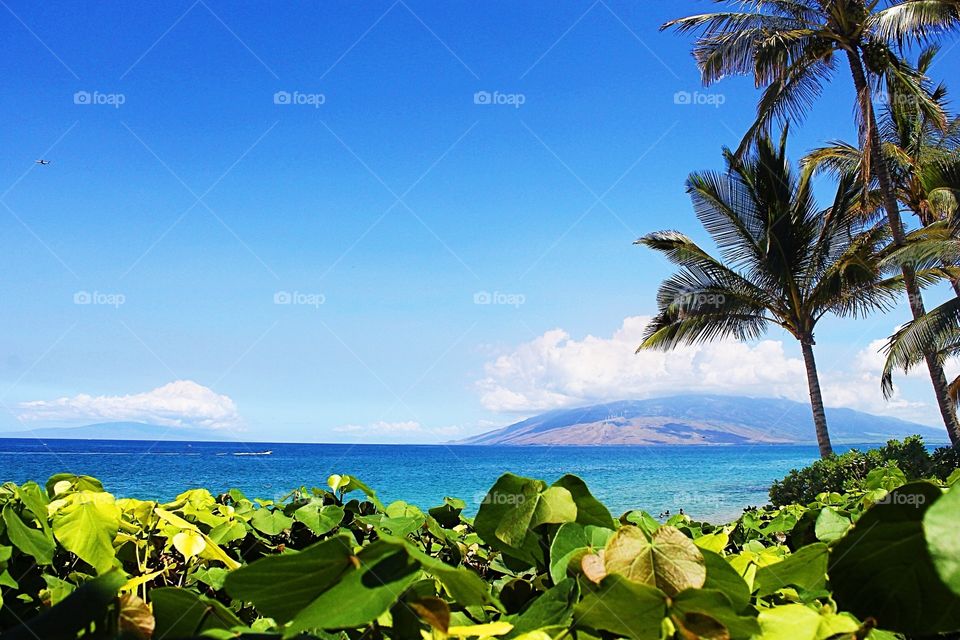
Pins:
<point x="700" y="419"/>
<point x="120" y="431"/>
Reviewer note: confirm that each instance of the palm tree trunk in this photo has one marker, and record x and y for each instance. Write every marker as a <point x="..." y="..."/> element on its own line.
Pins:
<point x="816" y="400"/>
<point x="872" y="136"/>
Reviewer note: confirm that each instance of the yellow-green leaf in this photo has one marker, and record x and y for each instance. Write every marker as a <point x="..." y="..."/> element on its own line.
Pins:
<point x="189" y="543"/>
<point x="481" y="630"/>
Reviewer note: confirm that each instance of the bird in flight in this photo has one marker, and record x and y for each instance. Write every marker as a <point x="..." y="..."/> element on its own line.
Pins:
<point x="43" y="161"/>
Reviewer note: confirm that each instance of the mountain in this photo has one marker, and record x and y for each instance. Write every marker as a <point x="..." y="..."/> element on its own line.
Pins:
<point x="700" y="419"/>
<point x="120" y="431"/>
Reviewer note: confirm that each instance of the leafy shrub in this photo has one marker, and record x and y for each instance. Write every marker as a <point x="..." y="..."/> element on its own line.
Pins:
<point x="848" y="471"/>
<point x="537" y="562"/>
<point x="946" y="461"/>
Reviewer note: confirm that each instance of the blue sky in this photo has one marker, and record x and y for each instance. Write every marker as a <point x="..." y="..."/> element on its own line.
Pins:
<point x="283" y="216"/>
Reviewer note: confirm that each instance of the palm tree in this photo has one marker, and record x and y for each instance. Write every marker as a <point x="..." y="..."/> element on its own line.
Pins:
<point x="790" y="48"/>
<point x="923" y="160"/>
<point x="935" y="247"/>
<point x="790" y="262"/>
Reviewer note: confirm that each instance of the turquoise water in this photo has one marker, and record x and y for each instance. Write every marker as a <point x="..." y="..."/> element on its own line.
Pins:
<point x="712" y="483"/>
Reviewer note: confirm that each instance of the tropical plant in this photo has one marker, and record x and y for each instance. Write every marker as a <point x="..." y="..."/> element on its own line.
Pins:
<point x="791" y="263"/>
<point x="790" y="49"/>
<point x="537" y="562"/>
<point x="850" y="471"/>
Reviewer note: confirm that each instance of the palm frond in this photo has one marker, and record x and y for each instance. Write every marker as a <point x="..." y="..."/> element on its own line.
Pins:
<point x="851" y="283"/>
<point x="907" y="90"/>
<point x="837" y="159"/>
<point x="937" y="332"/>
<point x="788" y="98"/>
<point x="729" y="215"/>
<point x="925" y="248"/>
<point x="665" y="333"/>
<point x="915" y="20"/>
<point x="709" y="24"/>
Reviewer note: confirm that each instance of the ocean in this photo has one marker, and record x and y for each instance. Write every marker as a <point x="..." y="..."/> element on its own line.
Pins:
<point x="713" y="483"/>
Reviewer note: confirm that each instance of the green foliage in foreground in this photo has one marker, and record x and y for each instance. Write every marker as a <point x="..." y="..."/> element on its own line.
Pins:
<point x="852" y="470"/>
<point x="538" y="562"/>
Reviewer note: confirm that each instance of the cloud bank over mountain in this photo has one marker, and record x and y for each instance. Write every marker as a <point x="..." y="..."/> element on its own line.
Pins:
<point x="556" y="370"/>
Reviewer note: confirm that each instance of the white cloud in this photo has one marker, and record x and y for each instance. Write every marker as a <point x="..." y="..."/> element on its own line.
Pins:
<point x="407" y="432"/>
<point x="555" y="370"/>
<point x="182" y="403"/>
<point x="381" y="427"/>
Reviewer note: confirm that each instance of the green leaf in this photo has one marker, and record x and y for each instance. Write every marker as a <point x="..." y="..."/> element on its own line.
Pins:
<point x="400" y="526"/>
<point x="888" y="478"/>
<point x="189" y="543"/>
<point x="27" y="539"/>
<point x="338" y="483"/>
<point x="88" y="605"/>
<point x="511" y="510"/>
<point x="553" y="608"/>
<point x="62" y="483"/>
<point x="644" y="520"/>
<point x="953" y="478"/>
<point x="590" y="511"/>
<point x="554" y="506"/>
<point x="363" y="594"/>
<point x="941" y="523"/>
<point x="805" y="569"/>
<point x="882" y="568"/>
<point x="34" y="499"/>
<point x="325" y="586"/>
<point x="447" y="515"/>
<point x="571" y="542"/>
<point x="180" y="613"/>
<point x="270" y="522"/>
<point x="668" y="560"/>
<point x="465" y="586"/>
<point x="790" y="622"/>
<point x="831" y="526"/>
<point x="228" y="532"/>
<point x="716" y="541"/>
<point x="349" y="483"/>
<point x="623" y="607"/>
<point x="213" y="576"/>
<point x="57" y="589"/>
<point x="723" y="577"/>
<point x="86" y="525"/>
<point x="511" y="504"/>
<point x="319" y="518"/>
<point x="704" y="612"/>
<point x="304" y="576"/>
